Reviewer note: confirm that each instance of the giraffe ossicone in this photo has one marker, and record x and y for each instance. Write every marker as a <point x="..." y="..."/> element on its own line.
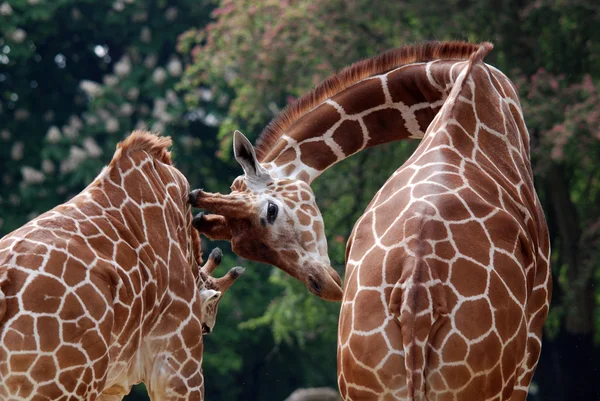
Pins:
<point x="448" y="282"/>
<point x="107" y="290"/>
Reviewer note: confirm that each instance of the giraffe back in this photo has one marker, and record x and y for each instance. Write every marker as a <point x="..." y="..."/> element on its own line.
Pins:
<point x="99" y="292"/>
<point x="456" y="245"/>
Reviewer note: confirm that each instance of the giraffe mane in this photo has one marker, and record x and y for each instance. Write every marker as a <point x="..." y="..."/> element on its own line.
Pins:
<point x="154" y="144"/>
<point x="358" y="71"/>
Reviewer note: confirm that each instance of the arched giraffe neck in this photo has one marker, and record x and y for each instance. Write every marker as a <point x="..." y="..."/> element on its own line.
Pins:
<point x="399" y="104"/>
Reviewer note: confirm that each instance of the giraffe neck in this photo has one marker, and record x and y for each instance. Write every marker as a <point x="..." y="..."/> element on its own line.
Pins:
<point x="396" y="105"/>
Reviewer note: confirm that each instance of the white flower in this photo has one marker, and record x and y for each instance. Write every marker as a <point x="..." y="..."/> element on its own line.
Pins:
<point x="92" y="147"/>
<point x="21" y="114"/>
<point x="48" y="166"/>
<point x="146" y="35"/>
<point x="76" y="157"/>
<point x="133" y="93"/>
<point x="206" y="94"/>
<point x="91" y="88"/>
<point x="53" y="135"/>
<point x="158" y="127"/>
<point x="172" y="97"/>
<point x="48" y="116"/>
<point x="5" y="9"/>
<point x="123" y="66"/>
<point x="17" y="151"/>
<point x="159" y="75"/>
<point x="70" y="132"/>
<point x="112" y="125"/>
<point x="18" y="35"/>
<point x="140" y="16"/>
<point x="126" y="109"/>
<point x="104" y="115"/>
<point x="160" y="107"/>
<point x="75" y="14"/>
<point x="31" y="175"/>
<point x="110" y="80"/>
<point x="141" y="124"/>
<point x="75" y="122"/>
<point x="171" y="13"/>
<point x="90" y="119"/>
<point x="174" y="67"/>
<point x="118" y="5"/>
<point x="5" y="134"/>
<point x="211" y="120"/>
<point x="150" y="61"/>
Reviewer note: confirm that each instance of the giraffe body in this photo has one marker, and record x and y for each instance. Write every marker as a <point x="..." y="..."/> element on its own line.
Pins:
<point x="104" y="291"/>
<point x="447" y="279"/>
<point x="447" y="272"/>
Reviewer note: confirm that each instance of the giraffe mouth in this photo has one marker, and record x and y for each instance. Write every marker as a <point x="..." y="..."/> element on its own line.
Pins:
<point x="325" y="283"/>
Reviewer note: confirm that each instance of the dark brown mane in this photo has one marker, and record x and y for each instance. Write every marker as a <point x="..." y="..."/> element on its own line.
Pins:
<point x="155" y="145"/>
<point x="347" y="77"/>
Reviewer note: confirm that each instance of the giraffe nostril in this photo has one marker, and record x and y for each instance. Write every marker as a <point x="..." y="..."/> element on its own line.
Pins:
<point x="315" y="285"/>
<point x="205" y="329"/>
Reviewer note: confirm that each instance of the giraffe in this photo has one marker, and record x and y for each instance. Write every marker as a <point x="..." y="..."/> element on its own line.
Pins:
<point x="107" y="290"/>
<point x="447" y="280"/>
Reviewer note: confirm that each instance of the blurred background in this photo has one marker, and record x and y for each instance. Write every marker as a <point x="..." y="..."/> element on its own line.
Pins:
<point x="78" y="75"/>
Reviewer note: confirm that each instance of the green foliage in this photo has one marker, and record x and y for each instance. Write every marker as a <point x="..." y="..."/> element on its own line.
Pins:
<point x="78" y="75"/>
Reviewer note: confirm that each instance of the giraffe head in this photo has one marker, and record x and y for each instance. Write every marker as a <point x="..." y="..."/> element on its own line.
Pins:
<point x="271" y="221"/>
<point x="212" y="289"/>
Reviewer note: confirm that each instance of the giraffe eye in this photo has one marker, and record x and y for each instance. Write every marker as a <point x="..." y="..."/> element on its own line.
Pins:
<point x="272" y="210"/>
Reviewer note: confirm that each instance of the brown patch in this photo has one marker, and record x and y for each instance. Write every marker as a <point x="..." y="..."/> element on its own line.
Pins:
<point x="43" y="295"/>
<point x="476" y="389"/>
<point x="50" y="340"/>
<point x="383" y="125"/>
<point x="75" y="272"/>
<point x="371" y="351"/>
<point x="363" y="96"/>
<point x="370" y="270"/>
<point x="102" y="246"/>
<point x="468" y="278"/>
<point x="95" y="304"/>
<point x="455" y="375"/>
<point x="471" y="241"/>
<point x="316" y="155"/>
<point x="68" y="355"/>
<point x="29" y="261"/>
<point x="349" y="137"/>
<point x="368" y="310"/>
<point x="21" y="362"/>
<point x="351" y="75"/>
<point x="286" y="157"/>
<point x="507" y="313"/>
<point x="77" y="248"/>
<point x="455" y="349"/>
<point x="425" y="116"/>
<point x="44" y="369"/>
<point x="444" y="250"/>
<point x="512" y="274"/>
<point x="474" y="318"/>
<point x="157" y="231"/>
<point x="20" y="382"/>
<point x="485" y="354"/>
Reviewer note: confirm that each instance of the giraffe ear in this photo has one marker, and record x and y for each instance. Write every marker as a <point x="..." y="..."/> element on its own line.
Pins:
<point x="246" y="157"/>
<point x="209" y="295"/>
